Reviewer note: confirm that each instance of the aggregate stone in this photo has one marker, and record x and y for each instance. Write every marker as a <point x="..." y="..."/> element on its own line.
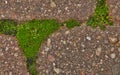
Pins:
<point x="71" y="53"/>
<point x="22" y="10"/>
<point x="12" y="60"/>
<point x="114" y="6"/>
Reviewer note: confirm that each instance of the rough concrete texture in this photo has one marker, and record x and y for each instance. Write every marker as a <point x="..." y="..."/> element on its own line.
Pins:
<point x="114" y="10"/>
<point x="22" y="10"/>
<point x="12" y="60"/>
<point x="81" y="51"/>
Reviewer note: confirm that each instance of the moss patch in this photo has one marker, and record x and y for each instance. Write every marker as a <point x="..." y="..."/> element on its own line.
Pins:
<point x="100" y="17"/>
<point x="30" y="36"/>
<point x="71" y="23"/>
<point x="8" y="27"/>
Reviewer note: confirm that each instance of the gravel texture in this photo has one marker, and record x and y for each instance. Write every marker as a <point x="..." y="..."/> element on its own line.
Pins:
<point x="12" y="61"/>
<point x="114" y="6"/>
<point x="80" y="51"/>
<point x="23" y="10"/>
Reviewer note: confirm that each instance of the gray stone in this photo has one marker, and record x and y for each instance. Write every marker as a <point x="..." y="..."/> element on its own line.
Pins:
<point x="116" y="69"/>
<point x="98" y="51"/>
<point x="112" y="55"/>
<point x="57" y="70"/>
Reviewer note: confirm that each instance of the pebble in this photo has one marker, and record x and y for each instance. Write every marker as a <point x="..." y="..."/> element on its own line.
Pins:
<point x="98" y="51"/>
<point x="83" y="50"/>
<point x="6" y="49"/>
<point x="2" y="16"/>
<point x="113" y="40"/>
<point x="64" y="42"/>
<point x="112" y="49"/>
<point x="46" y="49"/>
<point x="118" y="44"/>
<point x="51" y="58"/>
<point x="48" y="42"/>
<point x="88" y="38"/>
<point x="52" y="4"/>
<point x="82" y="45"/>
<point x="113" y="55"/>
<point x="57" y="70"/>
<point x="10" y="73"/>
<point x="6" y="2"/>
<point x="16" y="48"/>
<point x="67" y="32"/>
<point x="16" y="54"/>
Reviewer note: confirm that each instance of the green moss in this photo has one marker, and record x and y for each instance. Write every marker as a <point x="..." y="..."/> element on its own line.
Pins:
<point x="8" y="27"/>
<point x="71" y="23"/>
<point x="30" y="36"/>
<point x="31" y="65"/>
<point x="100" y="17"/>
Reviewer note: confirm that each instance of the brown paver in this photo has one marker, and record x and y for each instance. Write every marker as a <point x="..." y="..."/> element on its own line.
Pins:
<point x="114" y="8"/>
<point x="23" y="10"/>
<point x="81" y="51"/>
<point x="12" y="61"/>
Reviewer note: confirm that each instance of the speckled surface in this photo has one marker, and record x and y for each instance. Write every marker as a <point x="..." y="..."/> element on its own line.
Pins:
<point x="114" y="10"/>
<point x="12" y="60"/>
<point x="61" y="10"/>
<point x="81" y="51"/>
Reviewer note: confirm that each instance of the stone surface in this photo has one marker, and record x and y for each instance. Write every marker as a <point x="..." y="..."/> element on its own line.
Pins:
<point x="80" y="51"/>
<point x="23" y="10"/>
<point x="114" y="6"/>
<point x="116" y="69"/>
<point x="12" y="61"/>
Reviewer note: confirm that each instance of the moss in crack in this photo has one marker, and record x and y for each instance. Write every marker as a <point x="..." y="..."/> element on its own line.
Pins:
<point x="31" y="65"/>
<point x="100" y="17"/>
<point x="71" y="23"/>
<point x="30" y="36"/>
<point x="8" y="27"/>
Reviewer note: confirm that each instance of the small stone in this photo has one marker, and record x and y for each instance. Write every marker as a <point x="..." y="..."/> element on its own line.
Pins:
<point x="47" y="49"/>
<point x="113" y="40"/>
<point x="88" y="38"/>
<point x="5" y="62"/>
<point x="2" y="16"/>
<point x="16" y="54"/>
<point x="6" y="2"/>
<point x="98" y="51"/>
<point x="6" y="49"/>
<point x="1" y="54"/>
<point x="118" y="44"/>
<point x="10" y="73"/>
<point x="51" y="58"/>
<point x="66" y="8"/>
<point x="67" y="32"/>
<point x="112" y="49"/>
<point x="52" y="4"/>
<point x="54" y="64"/>
<point x="99" y="37"/>
<point x="48" y="42"/>
<point x="57" y="70"/>
<point x="16" y="48"/>
<point x="83" y="50"/>
<point x="102" y="69"/>
<point x="113" y="55"/>
<point x="82" y="72"/>
<point x="64" y="42"/>
<point x="43" y="52"/>
<point x="106" y="41"/>
<point x="82" y="45"/>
